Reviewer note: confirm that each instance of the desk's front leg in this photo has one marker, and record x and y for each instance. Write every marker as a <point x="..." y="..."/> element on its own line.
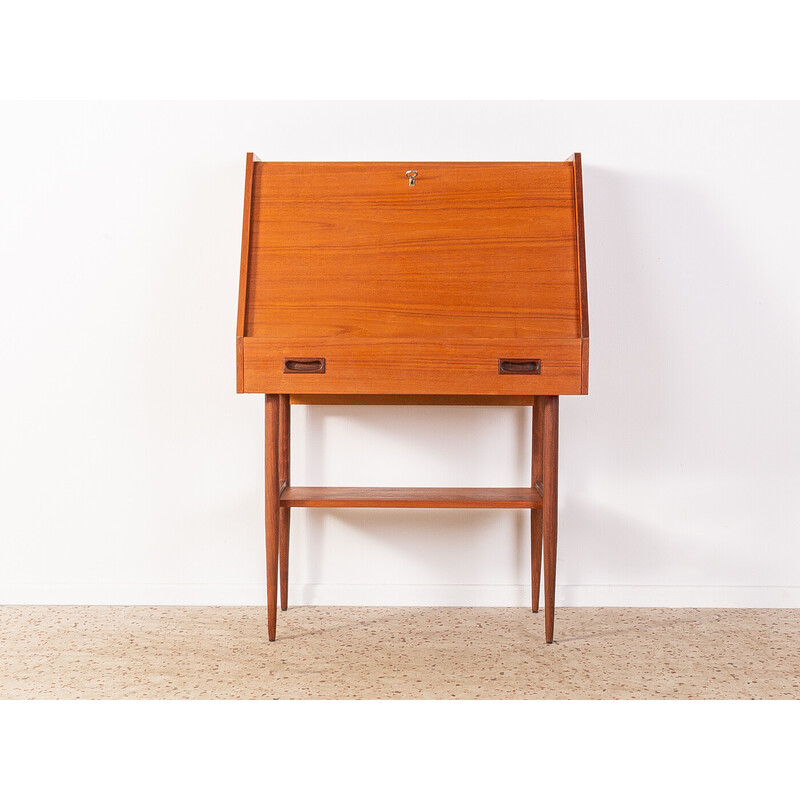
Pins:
<point x="271" y="505"/>
<point x="283" y="480"/>
<point x="549" y="507"/>
<point x="536" y="513"/>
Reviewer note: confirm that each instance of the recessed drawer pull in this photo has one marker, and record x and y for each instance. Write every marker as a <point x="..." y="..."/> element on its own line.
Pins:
<point x="519" y="366"/>
<point x="304" y="365"/>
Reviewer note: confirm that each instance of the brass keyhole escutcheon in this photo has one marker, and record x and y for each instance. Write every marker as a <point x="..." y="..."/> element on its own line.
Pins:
<point x="412" y="177"/>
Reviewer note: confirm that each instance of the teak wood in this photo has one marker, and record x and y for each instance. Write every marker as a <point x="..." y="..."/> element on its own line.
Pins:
<point x="284" y="448"/>
<point x="407" y="497"/>
<point x="457" y="283"/>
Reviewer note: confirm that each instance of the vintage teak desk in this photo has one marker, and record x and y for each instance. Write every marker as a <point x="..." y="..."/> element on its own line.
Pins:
<point x="413" y="282"/>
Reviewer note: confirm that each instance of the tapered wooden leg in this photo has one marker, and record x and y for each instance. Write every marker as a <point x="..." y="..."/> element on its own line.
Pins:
<point x="271" y="506"/>
<point x="550" y="510"/>
<point x="536" y="513"/>
<point x="283" y="480"/>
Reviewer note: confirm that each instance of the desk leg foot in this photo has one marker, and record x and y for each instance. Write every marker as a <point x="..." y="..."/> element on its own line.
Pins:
<point x="284" y="425"/>
<point x="536" y="558"/>
<point x="271" y="507"/>
<point x="283" y="547"/>
<point x="550" y="508"/>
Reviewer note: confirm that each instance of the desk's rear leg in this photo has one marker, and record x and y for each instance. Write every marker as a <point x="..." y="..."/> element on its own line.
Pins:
<point x="284" y="425"/>
<point x="536" y="513"/>
<point x="271" y="506"/>
<point x="550" y="507"/>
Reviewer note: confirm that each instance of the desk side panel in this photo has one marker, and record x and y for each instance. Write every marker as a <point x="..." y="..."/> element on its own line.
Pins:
<point x="577" y="166"/>
<point x="583" y="294"/>
<point x="243" y="270"/>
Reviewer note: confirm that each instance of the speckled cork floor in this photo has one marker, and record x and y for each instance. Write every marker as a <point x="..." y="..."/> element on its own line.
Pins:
<point x="94" y="652"/>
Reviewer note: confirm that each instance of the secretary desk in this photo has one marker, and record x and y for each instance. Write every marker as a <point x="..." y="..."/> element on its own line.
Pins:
<point x="413" y="283"/>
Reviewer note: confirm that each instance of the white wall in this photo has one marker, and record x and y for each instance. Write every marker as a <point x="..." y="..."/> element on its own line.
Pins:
<point x="131" y="472"/>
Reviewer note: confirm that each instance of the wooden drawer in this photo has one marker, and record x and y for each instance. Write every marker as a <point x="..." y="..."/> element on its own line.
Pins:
<point x="373" y="366"/>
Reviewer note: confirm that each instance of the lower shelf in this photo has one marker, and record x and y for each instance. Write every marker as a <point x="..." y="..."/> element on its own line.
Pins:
<point x="406" y="497"/>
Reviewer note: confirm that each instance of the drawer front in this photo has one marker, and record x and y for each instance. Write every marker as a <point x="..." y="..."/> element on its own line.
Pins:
<point x="371" y="366"/>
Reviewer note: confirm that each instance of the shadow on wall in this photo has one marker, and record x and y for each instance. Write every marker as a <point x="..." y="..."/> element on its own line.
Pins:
<point x="652" y="485"/>
<point x="668" y="465"/>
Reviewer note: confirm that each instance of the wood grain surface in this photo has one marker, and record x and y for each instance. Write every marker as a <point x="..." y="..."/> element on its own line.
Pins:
<point x="583" y="295"/>
<point x="537" y="441"/>
<point x="549" y="508"/>
<point x="410" y="400"/>
<point x="409" y="497"/>
<point x="412" y="281"/>
<point x="391" y="366"/>
<point x="473" y="250"/>
<point x="284" y="473"/>
<point x="272" y="491"/>
<point x="243" y="268"/>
